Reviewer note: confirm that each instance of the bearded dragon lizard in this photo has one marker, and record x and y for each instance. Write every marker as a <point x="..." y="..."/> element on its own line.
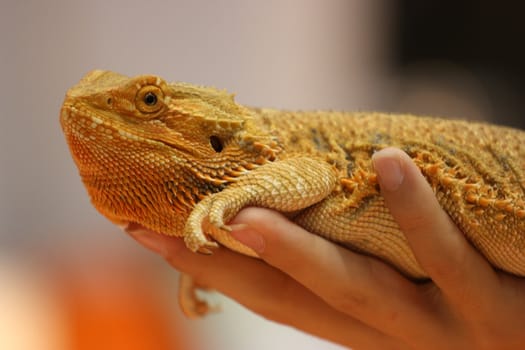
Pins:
<point x="182" y="160"/>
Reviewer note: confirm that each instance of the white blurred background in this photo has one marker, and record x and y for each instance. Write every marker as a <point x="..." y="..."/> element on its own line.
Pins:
<point x="71" y="280"/>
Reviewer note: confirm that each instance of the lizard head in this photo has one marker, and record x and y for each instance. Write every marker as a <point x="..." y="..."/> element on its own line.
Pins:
<point x="148" y="150"/>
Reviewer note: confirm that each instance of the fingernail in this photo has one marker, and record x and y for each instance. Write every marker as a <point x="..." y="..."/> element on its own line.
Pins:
<point x="248" y="236"/>
<point x="389" y="169"/>
<point x="151" y="240"/>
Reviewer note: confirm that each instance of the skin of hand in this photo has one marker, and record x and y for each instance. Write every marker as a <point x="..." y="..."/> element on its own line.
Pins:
<point x="321" y="288"/>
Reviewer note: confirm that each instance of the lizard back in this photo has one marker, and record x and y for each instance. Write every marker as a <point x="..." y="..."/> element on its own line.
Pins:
<point x="476" y="170"/>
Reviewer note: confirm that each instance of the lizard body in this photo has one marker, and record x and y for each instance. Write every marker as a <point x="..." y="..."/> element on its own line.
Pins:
<point x="183" y="160"/>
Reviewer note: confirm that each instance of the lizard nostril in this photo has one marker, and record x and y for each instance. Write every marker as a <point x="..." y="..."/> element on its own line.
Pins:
<point x="216" y="143"/>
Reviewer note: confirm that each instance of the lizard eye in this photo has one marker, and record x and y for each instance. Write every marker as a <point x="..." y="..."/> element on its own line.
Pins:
<point x="149" y="99"/>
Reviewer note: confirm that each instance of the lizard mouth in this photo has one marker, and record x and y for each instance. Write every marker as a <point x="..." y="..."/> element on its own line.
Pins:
<point x="87" y="126"/>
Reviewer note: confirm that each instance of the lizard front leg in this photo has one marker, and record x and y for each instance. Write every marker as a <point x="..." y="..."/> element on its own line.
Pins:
<point x="288" y="185"/>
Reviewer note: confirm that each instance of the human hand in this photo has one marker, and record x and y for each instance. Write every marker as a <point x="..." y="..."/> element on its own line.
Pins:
<point x="321" y="288"/>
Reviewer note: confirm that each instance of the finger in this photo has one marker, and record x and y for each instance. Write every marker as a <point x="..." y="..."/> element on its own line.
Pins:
<point x="360" y="286"/>
<point x="266" y="291"/>
<point x="454" y="265"/>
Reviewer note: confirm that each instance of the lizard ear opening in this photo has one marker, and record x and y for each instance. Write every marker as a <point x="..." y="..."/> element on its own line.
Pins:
<point x="216" y="143"/>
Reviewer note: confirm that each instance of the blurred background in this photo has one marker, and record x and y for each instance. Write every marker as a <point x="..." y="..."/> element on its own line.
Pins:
<point x="71" y="280"/>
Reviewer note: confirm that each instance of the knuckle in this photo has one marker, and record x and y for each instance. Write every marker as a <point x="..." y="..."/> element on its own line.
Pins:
<point x="348" y="299"/>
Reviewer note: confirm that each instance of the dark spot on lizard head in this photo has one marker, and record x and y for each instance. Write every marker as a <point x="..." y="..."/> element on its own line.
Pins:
<point x="216" y="143"/>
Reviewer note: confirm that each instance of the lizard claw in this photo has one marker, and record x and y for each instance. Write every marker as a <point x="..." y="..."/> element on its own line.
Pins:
<point x="191" y="304"/>
<point x="196" y="241"/>
<point x="207" y="248"/>
<point x="216" y="218"/>
<point x="226" y="228"/>
<point x="194" y="237"/>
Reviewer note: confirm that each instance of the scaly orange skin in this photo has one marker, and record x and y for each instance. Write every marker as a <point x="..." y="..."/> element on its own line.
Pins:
<point x="183" y="160"/>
